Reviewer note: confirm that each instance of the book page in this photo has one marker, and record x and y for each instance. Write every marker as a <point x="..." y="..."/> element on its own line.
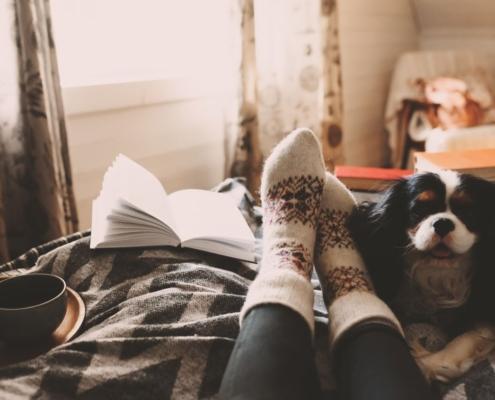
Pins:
<point x="132" y="209"/>
<point x="244" y="252"/>
<point x="205" y="214"/>
<point x="127" y="180"/>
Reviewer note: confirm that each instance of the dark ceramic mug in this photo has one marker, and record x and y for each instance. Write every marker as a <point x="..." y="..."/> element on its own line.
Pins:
<point x="32" y="306"/>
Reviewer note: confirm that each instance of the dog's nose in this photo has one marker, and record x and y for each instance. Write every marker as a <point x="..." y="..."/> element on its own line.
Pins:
<point x="443" y="226"/>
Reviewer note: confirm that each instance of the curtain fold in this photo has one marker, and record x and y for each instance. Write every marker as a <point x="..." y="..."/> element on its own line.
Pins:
<point x="288" y="70"/>
<point x="36" y="196"/>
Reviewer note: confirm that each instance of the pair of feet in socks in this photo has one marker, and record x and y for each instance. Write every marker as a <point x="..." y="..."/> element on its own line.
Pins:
<point x="304" y="224"/>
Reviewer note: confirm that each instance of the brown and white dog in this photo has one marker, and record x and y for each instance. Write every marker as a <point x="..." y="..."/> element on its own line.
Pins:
<point x="429" y="245"/>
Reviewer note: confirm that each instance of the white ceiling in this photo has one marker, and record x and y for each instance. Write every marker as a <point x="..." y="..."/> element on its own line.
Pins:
<point x="458" y="14"/>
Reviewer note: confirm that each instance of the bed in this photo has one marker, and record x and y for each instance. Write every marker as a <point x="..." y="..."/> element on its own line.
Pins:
<point x="160" y="323"/>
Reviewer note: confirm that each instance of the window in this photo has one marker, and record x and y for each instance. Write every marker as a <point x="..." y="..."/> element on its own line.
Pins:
<point x="112" y="41"/>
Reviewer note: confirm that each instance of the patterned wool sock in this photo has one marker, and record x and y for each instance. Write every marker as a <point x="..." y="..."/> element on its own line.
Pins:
<point x="291" y="188"/>
<point x="347" y="289"/>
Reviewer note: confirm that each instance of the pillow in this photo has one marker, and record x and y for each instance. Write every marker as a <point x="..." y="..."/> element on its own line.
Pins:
<point x="452" y="103"/>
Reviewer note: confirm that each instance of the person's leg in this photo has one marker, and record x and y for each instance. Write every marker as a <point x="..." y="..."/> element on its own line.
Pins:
<point x="372" y="356"/>
<point x="273" y="356"/>
<point x="373" y="362"/>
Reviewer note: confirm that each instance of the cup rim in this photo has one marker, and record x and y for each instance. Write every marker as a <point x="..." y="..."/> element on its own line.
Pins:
<point x="64" y="289"/>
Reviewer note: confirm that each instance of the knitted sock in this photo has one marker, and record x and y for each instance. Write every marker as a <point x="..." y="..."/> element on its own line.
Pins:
<point x="347" y="289"/>
<point x="291" y="187"/>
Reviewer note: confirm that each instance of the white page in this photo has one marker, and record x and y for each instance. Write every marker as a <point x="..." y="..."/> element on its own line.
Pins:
<point x="104" y="233"/>
<point x="204" y="214"/>
<point x="130" y="190"/>
<point x="99" y="225"/>
<point x="129" y="181"/>
<point x="241" y="253"/>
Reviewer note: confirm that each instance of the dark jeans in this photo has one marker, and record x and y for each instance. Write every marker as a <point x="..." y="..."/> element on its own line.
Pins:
<point x="273" y="358"/>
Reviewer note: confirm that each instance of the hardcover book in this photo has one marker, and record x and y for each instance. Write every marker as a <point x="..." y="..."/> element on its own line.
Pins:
<point x="369" y="178"/>
<point x="134" y="210"/>
<point x="480" y="162"/>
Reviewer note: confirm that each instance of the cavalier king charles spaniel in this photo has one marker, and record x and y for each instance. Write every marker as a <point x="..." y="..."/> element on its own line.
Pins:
<point x="429" y="246"/>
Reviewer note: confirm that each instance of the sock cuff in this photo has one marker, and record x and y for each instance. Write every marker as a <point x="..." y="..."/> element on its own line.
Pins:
<point x="285" y="287"/>
<point x="358" y="308"/>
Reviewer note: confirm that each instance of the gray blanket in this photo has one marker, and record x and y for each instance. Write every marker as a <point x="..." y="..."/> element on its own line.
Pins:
<point x="160" y="323"/>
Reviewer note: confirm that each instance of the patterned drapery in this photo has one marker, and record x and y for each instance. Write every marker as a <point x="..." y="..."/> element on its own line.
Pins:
<point x="289" y="76"/>
<point x="36" y="195"/>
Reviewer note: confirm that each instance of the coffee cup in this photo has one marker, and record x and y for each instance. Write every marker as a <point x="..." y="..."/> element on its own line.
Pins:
<point x="32" y="306"/>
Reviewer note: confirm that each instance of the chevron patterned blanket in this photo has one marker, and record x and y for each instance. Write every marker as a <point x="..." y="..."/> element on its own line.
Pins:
<point x="160" y="323"/>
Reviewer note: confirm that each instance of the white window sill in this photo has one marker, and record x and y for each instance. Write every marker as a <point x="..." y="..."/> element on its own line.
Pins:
<point x="87" y="99"/>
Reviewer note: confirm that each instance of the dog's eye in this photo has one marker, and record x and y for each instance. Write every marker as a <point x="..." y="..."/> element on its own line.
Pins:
<point x="462" y="206"/>
<point x="465" y="213"/>
<point x="426" y="196"/>
<point x="421" y="208"/>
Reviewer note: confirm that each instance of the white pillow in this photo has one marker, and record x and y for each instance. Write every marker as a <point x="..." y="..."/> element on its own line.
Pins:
<point x="476" y="137"/>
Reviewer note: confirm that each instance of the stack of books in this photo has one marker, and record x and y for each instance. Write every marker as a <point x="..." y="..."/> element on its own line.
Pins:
<point x="369" y="179"/>
<point x="480" y="162"/>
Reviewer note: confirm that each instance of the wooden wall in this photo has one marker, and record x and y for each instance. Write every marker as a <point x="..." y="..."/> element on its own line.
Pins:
<point x="372" y="34"/>
<point x="457" y="24"/>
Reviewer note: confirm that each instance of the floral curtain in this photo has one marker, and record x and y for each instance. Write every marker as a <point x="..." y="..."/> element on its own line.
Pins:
<point x="289" y="76"/>
<point x="36" y="195"/>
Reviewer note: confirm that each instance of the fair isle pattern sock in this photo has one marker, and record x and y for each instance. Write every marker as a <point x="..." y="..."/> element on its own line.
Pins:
<point x="291" y="188"/>
<point x="347" y="288"/>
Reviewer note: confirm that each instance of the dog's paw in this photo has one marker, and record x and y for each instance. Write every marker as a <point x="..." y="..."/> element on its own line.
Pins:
<point x="424" y="339"/>
<point x="417" y="349"/>
<point x="458" y="356"/>
<point x="437" y="367"/>
<point x="424" y="367"/>
<point x="434" y="369"/>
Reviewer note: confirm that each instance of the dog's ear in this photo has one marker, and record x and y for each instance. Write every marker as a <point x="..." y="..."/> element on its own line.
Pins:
<point x="488" y="208"/>
<point x="379" y="230"/>
<point x="482" y="298"/>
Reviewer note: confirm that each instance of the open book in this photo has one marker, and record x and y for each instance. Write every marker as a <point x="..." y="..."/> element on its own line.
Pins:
<point x="133" y="210"/>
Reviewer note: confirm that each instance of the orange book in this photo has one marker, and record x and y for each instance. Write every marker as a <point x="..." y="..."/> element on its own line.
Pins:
<point x="369" y="179"/>
<point x="479" y="162"/>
